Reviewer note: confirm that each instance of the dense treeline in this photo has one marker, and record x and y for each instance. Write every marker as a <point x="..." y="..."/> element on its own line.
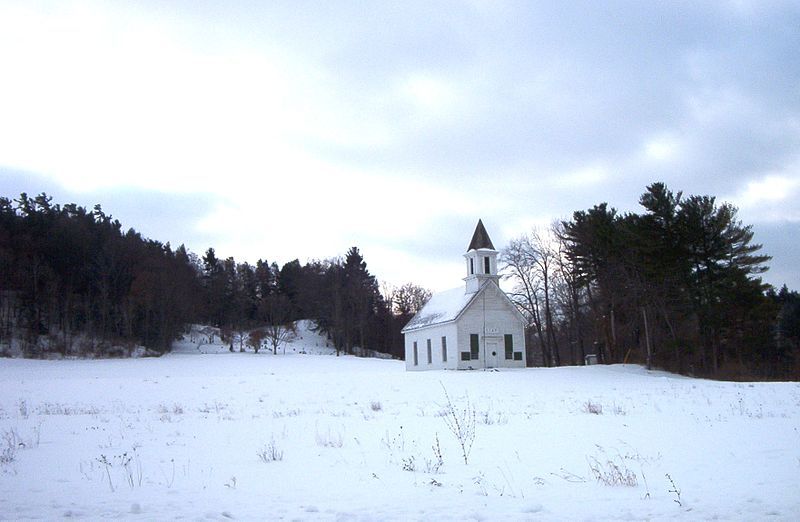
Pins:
<point x="341" y="296"/>
<point x="676" y="286"/>
<point x="72" y="282"/>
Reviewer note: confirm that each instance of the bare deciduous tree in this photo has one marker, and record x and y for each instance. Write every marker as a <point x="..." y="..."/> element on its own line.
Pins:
<point x="409" y="298"/>
<point x="278" y="335"/>
<point x="532" y="260"/>
<point x="255" y="338"/>
<point x="525" y="294"/>
<point x="279" y="329"/>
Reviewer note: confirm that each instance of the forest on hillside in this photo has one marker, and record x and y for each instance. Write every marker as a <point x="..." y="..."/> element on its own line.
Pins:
<point x="676" y="286"/>
<point x="73" y="282"/>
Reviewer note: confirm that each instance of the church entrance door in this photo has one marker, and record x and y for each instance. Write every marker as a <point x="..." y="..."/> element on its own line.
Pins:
<point x="491" y="353"/>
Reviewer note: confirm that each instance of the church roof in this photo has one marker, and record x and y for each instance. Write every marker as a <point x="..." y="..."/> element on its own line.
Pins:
<point x="447" y="306"/>
<point x="480" y="239"/>
<point x="441" y="308"/>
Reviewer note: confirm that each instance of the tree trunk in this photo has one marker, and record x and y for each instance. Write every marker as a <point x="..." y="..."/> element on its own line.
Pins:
<point x="548" y="317"/>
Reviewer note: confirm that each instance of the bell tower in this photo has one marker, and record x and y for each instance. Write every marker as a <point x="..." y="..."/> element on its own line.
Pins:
<point x="481" y="260"/>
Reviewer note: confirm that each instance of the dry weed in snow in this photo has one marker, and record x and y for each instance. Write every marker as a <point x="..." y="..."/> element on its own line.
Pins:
<point x="460" y="421"/>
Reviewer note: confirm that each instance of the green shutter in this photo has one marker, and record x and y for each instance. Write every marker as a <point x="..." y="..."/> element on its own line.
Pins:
<point x="509" y="346"/>
<point x="473" y="346"/>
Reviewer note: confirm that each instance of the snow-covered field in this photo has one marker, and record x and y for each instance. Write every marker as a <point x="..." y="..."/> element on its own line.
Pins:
<point x="311" y="436"/>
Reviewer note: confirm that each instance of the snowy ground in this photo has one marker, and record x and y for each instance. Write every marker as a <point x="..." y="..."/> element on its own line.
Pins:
<point x="298" y="436"/>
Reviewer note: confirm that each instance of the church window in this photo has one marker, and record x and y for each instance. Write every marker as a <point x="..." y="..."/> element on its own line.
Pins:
<point x="416" y="360"/>
<point x="486" y="265"/>
<point x="471" y="266"/>
<point x="474" y="352"/>
<point x="444" y="349"/>
<point x="509" y="346"/>
<point x="430" y="354"/>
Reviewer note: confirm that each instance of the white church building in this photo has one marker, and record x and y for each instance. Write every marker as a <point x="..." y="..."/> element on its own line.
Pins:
<point x="470" y="327"/>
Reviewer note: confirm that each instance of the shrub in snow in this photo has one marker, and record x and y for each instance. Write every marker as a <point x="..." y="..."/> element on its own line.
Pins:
<point x="270" y="452"/>
<point x="167" y="412"/>
<point x="288" y="413"/>
<point x="12" y="442"/>
<point x="50" y="408"/>
<point x="593" y="408"/>
<point x="675" y="491"/>
<point x="409" y="464"/>
<point x="329" y="439"/>
<point x="461" y="423"/>
<point x="396" y="445"/>
<point x="128" y="465"/>
<point x="619" y="410"/>
<point x="8" y="449"/>
<point x="489" y="417"/>
<point x="611" y="471"/>
<point x="131" y="467"/>
<point x="23" y="408"/>
<point x="435" y="464"/>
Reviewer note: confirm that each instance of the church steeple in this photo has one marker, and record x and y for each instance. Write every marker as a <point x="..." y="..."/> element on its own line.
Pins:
<point x="480" y="239"/>
<point x="481" y="259"/>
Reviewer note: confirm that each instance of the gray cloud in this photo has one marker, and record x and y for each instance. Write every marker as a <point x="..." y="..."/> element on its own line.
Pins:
<point x="778" y="240"/>
<point x="551" y="106"/>
<point x="560" y="85"/>
<point x="442" y="240"/>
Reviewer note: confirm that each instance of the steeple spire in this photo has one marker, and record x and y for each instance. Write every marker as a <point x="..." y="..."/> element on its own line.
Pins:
<point x="481" y="259"/>
<point x="480" y="239"/>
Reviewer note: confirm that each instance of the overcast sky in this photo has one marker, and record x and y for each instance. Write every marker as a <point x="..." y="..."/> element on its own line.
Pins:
<point x="284" y="130"/>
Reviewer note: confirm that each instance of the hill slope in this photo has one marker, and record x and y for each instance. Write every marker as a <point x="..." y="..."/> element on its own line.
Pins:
<point x="206" y="340"/>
